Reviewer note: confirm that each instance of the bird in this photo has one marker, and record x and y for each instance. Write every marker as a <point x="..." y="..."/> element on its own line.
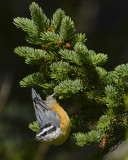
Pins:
<point x="52" y="119"/>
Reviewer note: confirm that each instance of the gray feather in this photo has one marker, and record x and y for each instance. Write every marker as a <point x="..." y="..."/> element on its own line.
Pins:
<point x="52" y="117"/>
<point x="34" y="94"/>
<point x="44" y="114"/>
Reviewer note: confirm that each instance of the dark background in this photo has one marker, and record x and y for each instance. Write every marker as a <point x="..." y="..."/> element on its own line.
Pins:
<point x="105" y="23"/>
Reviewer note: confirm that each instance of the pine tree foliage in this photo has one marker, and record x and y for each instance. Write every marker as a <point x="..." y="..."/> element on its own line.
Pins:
<point x="68" y="87"/>
<point x="69" y="69"/>
<point x="39" y="18"/>
<point x="60" y="70"/>
<point x="70" y="56"/>
<point x="26" y="25"/>
<point x="32" y="79"/>
<point x="67" y="29"/>
<point x="34" y="126"/>
<point x="30" y="54"/>
<point x="50" y="37"/>
<point x="56" y="20"/>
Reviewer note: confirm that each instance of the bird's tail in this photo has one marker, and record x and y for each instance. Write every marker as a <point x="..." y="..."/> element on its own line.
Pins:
<point x="35" y="94"/>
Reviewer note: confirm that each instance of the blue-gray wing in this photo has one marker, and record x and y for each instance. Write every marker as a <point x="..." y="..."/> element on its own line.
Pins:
<point x="44" y="114"/>
<point x="50" y="117"/>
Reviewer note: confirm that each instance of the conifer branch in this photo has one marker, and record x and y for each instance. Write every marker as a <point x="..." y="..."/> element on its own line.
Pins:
<point x="68" y="68"/>
<point x="39" y="18"/>
<point x="71" y="56"/>
<point x="32" y="80"/>
<point x="34" y="126"/>
<point x="67" y="29"/>
<point x="68" y="87"/>
<point x="26" y="25"/>
<point x="56" y="20"/>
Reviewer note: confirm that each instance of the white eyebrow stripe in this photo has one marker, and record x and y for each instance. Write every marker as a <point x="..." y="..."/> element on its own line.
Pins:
<point x="52" y="135"/>
<point x="45" y="130"/>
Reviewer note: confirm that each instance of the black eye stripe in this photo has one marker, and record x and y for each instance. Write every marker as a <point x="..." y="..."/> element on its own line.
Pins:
<point x="44" y="134"/>
<point x="51" y="130"/>
<point x="47" y="129"/>
<point x="48" y="132"/>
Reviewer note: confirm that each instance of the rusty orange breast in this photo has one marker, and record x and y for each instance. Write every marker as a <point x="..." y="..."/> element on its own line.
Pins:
<point x="64" y="119"/>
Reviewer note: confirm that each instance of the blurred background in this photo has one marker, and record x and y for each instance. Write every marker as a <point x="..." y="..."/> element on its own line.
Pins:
<point x="105" y="23"/>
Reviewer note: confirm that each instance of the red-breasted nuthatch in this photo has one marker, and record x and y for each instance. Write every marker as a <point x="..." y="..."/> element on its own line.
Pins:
<point x="53" y="121"/>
